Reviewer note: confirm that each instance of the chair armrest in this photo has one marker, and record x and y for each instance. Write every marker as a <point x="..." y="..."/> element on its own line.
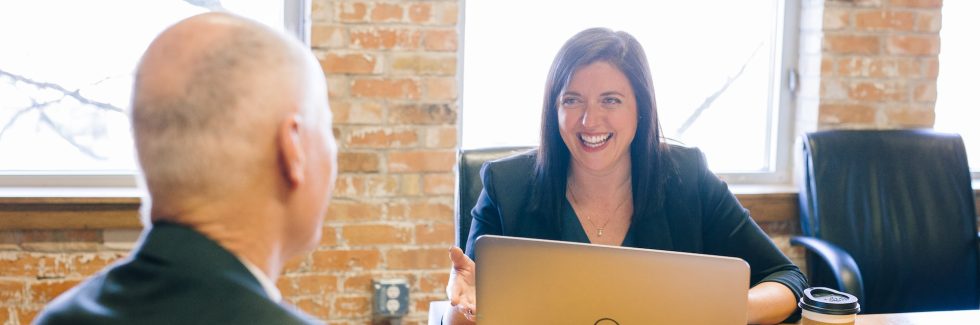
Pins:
<point x="845" y="270"/>
<point x="436" y="310"/>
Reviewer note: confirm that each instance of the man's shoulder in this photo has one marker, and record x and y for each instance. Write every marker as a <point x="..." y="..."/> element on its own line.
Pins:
<point x="110" y="298"/>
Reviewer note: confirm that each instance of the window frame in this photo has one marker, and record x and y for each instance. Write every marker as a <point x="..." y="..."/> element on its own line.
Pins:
<point x="782" y="119"/>
<point x="297" y="20"/>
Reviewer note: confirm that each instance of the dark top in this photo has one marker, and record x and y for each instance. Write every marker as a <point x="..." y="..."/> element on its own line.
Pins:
<point x="175" y="276"/>
<point x="700" y="215"/>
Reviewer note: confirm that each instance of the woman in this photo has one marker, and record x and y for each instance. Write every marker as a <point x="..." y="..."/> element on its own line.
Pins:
<point x="602" y="175"/>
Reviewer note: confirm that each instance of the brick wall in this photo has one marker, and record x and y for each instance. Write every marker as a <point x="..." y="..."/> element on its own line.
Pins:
<point x="878" y="63"/>
<point x="392" y="68"/>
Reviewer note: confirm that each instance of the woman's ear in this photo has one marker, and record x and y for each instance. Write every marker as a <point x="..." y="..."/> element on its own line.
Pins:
<point x="291" y="155"/>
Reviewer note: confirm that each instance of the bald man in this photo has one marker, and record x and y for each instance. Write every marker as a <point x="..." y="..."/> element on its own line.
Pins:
<point x="232" y="130"/>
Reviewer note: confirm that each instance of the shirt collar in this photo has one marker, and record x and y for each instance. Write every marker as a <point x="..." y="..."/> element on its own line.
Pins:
<point x="270" y="288"/>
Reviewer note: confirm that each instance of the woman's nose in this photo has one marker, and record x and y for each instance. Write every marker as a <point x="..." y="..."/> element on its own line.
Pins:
<point x="591" y="115"/>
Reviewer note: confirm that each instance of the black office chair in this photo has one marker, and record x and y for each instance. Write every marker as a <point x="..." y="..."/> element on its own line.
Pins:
<point x="469" y="184"/>
<point x="889" y="215"/>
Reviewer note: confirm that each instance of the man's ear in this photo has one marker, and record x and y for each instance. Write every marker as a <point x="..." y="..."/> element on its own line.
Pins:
<point x="291" y="155"/>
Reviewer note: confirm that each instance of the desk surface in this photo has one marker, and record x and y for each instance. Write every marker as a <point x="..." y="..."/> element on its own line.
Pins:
<point x="936" y="317"/>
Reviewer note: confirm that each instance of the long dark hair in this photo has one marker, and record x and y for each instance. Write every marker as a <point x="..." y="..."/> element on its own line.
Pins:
<point x="649" y="164"/>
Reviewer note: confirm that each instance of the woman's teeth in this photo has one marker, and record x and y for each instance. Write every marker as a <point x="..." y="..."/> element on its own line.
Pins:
<point x="593" y="141"/>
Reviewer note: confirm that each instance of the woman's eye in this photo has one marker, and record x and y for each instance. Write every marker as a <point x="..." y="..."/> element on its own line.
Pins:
<point x="611" y="100"/>
<point x="567" y="101"/>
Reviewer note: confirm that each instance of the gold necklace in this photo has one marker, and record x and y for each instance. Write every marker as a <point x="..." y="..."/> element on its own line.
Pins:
<point x="599" y="229"/>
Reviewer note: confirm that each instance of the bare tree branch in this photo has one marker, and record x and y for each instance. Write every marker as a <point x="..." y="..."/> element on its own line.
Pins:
<point x="73" y="94"/>
<point x="68" y="137"/>
<point x="35" y="105"/>
<point x="714" y="96"/>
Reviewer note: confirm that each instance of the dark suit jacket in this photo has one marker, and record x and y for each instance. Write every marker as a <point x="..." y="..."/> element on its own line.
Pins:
<point x="700" y="215"/>
<point x="176" y="276"/>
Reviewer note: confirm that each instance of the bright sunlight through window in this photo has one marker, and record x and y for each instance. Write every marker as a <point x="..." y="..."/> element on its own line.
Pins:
<point x="715" y="65"/>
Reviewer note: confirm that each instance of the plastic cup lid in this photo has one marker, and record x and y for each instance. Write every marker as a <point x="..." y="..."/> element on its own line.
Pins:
<point x="829" y="301"/>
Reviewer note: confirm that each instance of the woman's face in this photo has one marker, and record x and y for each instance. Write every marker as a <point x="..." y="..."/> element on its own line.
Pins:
<point x="597" y="117"/>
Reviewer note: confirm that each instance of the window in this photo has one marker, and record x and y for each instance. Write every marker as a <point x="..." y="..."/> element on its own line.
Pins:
<point x="66" y="78"/>
<point x="717" y="67"/>
<point x="957" y="110"/>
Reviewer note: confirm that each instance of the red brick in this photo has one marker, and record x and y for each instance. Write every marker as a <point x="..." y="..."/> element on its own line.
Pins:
<point x="327" y="36"/>
<point x="877" y="91"/>
<point x="925" y="92"/>
<point x="443" y="64"/>
<point x="321" y="11"/>
<point x="351" y="307"/>
<point x="435" y="184"/>
<point x="347" y="210"/>
<point x="358" y="161"/>
<point x="12" y="293"/>
<point x="913" y="44"/>
<point x="296" y="264"/>
<point x="434" y="282"/>
<point x="384" y="38"/>
<point x="826" y="66"/>
<point x="338" y="86"/>
<point x="358" y="283"/>
<point x="419" y="258"/>
<point x="346" y="260"/>
<point x="366" y="185"/>
<point x="376" y="234"/>
<point x="356" y="112"/>
<point x="44" y="291"/>
<point x="307" y="284"/>
<point x="439" y="40"/>
<point x="421" y="211"/>
<point x="27" y="264"/>
<point x="448" y="13"/>
<point x="836" y="18"/>
<point x="386" y="12"/>
<point x="385" y="88"/>
<point x="411" y="185"/>
<point x="931" y="67"/>
<point x="420" y="12"/>
<point x="382" y="137"/>
<point x="917" y="3"/>
<point x="878" y="67"/>
<point x="422" y="114"/>
<point x="435" y="233"/>
<point x="351" y="63"/>
<point x="329" y="234"/>
<point x="421" y="161"/>
<point x="88" y="264"/>
<point x="923" y="117"/>
<point x="441" y="137"/>
<point x="318" y="307"/>
<point x="884" y="20"/>
<point x="846" y="114"/>
<point x="351" y="11"/>
<point x="929" y="21"/>
<point x="851" y="44"/>
<point x="26" y="315"/>
<point x="439" y="88"/>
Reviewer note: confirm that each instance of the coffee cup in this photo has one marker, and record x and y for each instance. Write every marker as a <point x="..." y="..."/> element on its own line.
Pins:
<point x="825" y="306"/>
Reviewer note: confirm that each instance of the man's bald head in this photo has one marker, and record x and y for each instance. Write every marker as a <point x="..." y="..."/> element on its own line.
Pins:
<point x="209" y="95"/>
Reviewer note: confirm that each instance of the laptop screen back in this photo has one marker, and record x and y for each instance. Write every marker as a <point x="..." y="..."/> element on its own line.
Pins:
<point x="530" y="281"/>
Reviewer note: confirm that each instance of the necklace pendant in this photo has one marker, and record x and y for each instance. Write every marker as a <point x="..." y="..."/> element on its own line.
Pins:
<point x="600" y="232"/>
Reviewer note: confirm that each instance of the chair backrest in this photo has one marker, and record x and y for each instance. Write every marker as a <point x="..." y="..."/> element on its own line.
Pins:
<point x="469" y="184"/>
<point x="900" y="202"/>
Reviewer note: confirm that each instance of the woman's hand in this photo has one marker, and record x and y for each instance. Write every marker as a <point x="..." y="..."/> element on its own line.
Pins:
<point x="461" y="289"/>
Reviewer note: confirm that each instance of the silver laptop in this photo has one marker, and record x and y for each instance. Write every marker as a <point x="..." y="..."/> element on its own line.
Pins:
<point x="530" y="281"/>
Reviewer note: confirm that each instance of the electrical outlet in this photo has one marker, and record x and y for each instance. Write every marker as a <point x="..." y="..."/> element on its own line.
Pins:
<point x="390" y="298"/>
